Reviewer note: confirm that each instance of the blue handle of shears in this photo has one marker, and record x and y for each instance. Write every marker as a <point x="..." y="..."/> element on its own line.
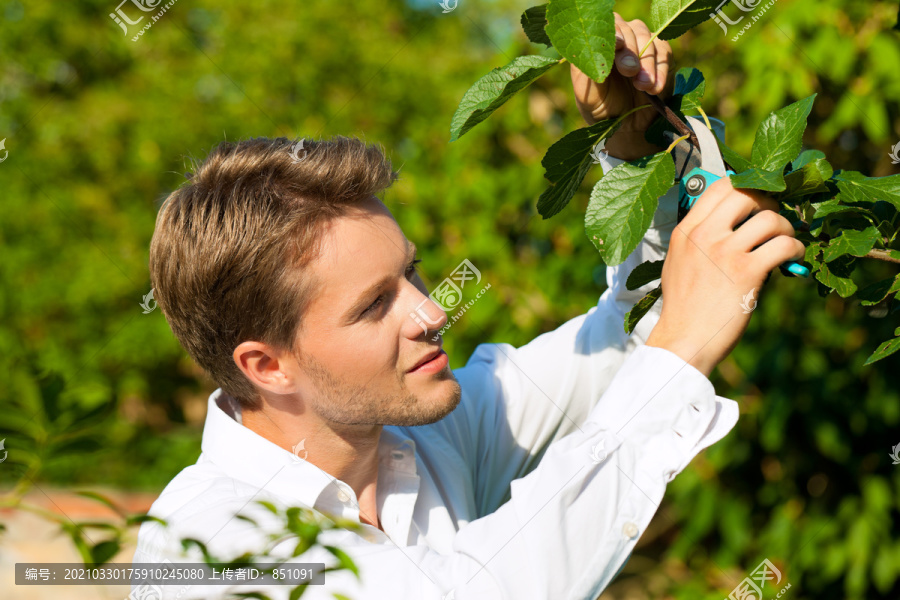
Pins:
<point x="698" y="180"/>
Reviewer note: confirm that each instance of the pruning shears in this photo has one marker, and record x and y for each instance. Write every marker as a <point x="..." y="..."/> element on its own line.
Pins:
<point x="698" y="164"/>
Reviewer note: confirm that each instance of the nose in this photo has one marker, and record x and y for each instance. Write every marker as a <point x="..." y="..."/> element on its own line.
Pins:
<point x="427" y="315"/>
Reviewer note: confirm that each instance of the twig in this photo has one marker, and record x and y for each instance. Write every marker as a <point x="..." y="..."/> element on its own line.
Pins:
<point x="882" y="255"/>
<point x="672" y="118"/>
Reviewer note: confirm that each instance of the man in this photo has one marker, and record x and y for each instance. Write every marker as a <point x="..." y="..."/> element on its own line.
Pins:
<point x="529" y="473"/>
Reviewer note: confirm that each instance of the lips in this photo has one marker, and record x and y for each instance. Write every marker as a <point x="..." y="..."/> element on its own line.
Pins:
<point x="427" y="358"/>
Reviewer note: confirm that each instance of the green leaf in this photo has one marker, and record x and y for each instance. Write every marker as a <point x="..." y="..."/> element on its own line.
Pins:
<point x="833" y="207"/>
<point x="810" y="179"/>
<point x="143" y="518"/>
<point x="298" y="591"/>
<point x="759" y="179"/>
<point x="852" y="242"/>
<point x="257" y="595"/>
<point x="584" y="31"/>
<point x="104" y="551"/>
<point x="859" y="188"/>
<point x="268" y="506"/>
<point x="644" y="273"/>
<point x="623" y="203"/>
<point x="884" y="350"/>
<point x="640" y="309"/>
<point x="534" y="20"/>
<point x="103" y="500"/>
<point x="567" y="162"/>
<point x="491" y="91"/>
<point x="690" y="85"/>
<point x="812" y="254"/>
<point x="806" y="157"/>
<point x="345" y="561"/>
<point x="878" y="291"/>
<point x="737" y="162"/>
<point x="669" y="19"/>
<point x="780" y="137"/>
<point x="836" y="277"/>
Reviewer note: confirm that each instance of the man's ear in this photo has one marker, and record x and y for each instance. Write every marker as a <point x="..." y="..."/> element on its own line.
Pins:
<point x="267" y="367"/>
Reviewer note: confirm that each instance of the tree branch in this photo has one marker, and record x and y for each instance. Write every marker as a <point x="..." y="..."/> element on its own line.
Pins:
<point x="672" y="118"/>
<point x="882" y="255"/>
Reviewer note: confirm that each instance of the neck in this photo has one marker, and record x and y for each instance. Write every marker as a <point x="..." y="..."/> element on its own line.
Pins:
<point x="346" y="452"/>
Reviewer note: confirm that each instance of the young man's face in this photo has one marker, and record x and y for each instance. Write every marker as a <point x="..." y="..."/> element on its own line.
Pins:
<point x="358" y="344"/>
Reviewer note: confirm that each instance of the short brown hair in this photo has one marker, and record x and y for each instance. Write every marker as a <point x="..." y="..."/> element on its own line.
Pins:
<point x="228" y="256"/>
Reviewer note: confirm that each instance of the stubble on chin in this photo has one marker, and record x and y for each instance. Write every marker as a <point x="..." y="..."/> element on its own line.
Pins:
<point x="346" y="404"/>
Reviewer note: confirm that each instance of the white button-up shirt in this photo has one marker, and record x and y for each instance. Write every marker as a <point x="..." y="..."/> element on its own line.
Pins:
<point x="538" y="485"/>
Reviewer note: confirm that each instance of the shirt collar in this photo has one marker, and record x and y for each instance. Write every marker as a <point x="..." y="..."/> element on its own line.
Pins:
<point x="247" y="456"/>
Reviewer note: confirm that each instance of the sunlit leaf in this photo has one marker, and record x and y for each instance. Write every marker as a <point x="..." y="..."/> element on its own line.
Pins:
<point x="584" y="31"/>
<point x="669" y="19"/>
<point x="623" y="203"/>
<point x="493" y="90"/>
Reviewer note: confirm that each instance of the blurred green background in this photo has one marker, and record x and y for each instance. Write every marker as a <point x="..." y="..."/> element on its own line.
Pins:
<point x="94" y="392"/>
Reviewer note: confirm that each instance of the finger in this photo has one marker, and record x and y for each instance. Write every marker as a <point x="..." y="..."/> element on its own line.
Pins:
<point x="627" y="57"/>
<point x="759" y="229"/>
<point x="663" y="60"/>
<point x="620" y="38"/>
<point x="646" y="77"/>
<point x="739" y="206"/>
<point x="707" y="201"/>
<point x="778" y="250"/>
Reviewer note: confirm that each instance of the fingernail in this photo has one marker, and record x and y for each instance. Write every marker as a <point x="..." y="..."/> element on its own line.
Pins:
<point x="630" y="62"/>
<point x="643" y="77"/>
<point x="619" y="39"/>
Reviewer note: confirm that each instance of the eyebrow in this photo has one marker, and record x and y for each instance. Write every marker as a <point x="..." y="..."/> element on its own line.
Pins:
<point x="364" y="298"/>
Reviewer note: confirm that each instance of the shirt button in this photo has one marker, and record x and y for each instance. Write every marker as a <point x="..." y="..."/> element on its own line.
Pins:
<point x="343" y="496"/>
<point x="630" y="530"/>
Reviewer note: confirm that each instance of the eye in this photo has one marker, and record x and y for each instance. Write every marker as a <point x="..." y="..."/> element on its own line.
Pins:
<point x="410" y="270"/>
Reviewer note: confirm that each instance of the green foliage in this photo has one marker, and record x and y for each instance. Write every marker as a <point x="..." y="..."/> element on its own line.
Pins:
<point x="584" y="32"/>
<point x="493" y="90"/>
<point x="567" y="162"/>
<point x="623" y="203"/>
<point x="670" y="19"/>
<point x="534" y="20"/>
<point x="644" y="273"/>
<point x="844" y="217"/>
<point x="97" y="140"/>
